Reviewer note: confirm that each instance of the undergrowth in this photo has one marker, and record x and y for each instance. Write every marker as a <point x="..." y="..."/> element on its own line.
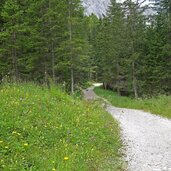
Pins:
<point x="47" y="130"/>
<point x="160" y="105"/>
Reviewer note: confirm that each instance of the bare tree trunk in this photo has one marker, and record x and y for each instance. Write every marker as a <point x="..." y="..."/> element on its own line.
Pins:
<point x="72" y="80"/>
<point x="134" y="80"/>
<point x="52" y="50"/>
<point x="118" y="79"/>
<point x="53" y="63"/>
<point x="45" y="71"/>
<point x="105" y="85"/>
<point x="70" y="38"/>
<point x="90" y="75"/>
<point x="14" y="59"/>
<point x="47" y="81"/>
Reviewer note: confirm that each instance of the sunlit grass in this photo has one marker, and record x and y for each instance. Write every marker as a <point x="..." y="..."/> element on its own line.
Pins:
<point x="47" y="130"/>
<point x="160" y="105"/>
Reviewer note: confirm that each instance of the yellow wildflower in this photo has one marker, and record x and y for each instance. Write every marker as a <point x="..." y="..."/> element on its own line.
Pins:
<point x="14" y="132"/>
<point x="53" y="169"/>
<point x="25" y="144"/>
<point x="6" y="147"/>
<point x="66" y="158"/>
<point x="1" y="142"/>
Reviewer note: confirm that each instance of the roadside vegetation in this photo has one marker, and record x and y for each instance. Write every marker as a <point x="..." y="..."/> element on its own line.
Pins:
<point x="44" y="129"/>
<point x="160" y="105"/>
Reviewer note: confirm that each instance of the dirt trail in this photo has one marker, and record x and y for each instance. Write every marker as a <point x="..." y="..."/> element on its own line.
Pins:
<point x="146" y="138"/>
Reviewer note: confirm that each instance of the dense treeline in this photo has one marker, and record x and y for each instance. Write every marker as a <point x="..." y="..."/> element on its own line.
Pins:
<point x="52" y="41"/>
<point x="44" y="40"/>
<point x="133" y="50"/>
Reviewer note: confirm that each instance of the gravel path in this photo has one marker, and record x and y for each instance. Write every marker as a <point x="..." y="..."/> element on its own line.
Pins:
<point x="89" y="94"/>
<point x="146" y="137"/>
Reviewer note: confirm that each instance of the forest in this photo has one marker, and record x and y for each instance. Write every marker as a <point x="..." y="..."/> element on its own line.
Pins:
<point x="53" y="117"/>
<point x="52" y="41"/>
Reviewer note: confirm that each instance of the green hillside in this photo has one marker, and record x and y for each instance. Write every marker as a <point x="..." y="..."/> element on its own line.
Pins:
<point x="47" y="130"/>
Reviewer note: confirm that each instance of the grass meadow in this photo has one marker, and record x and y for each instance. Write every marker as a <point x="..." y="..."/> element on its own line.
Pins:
<point x="160" y="105"/>
<point x="48" y="130"/>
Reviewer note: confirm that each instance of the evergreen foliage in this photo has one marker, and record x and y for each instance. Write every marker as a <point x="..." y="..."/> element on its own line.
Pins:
<point x="44" y="41"/>
<point x="53" y="41"/>
<point x="134" y="55"/>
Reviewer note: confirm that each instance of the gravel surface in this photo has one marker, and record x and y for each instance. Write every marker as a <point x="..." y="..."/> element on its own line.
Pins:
<point x="89" y="94"/>
<point x="146" y="137"/>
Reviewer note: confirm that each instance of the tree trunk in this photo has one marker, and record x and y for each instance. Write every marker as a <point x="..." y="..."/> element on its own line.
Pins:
<point x="134" y="80"/>
<point x="53" y="63"/>
<point x="14" y="59"/>
<point x="70" y="38"/>
<point x="118" y="79"/>
<point x="72" y="80"/>
<point x="105" y="86"/>
<point x="52" y="50"/>
<point x="45" y="71"/>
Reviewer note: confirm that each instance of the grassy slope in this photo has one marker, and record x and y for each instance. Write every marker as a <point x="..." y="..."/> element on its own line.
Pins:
<point x="160" y="105"/>
<point x="45" y="130"/>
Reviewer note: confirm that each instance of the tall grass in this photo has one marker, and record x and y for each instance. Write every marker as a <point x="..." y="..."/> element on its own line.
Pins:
<point x="160" y="105"/>
<point x="47" y="130"/>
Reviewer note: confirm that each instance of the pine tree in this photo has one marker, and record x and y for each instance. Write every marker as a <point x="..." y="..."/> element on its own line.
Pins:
<point x="116" y="43"/>
<point x="13" y="30"/>
<point x="135" y="23"/>
<point x="3" y="64"/>
<point x="75" y="47"/>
